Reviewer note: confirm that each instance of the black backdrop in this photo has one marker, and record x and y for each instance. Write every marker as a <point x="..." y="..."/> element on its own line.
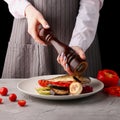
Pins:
<point x="108" y="33"/>
<point x="6" y="20"/>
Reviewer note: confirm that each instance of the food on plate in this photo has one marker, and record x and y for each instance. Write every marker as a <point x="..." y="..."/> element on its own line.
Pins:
<point x="87" y="89"/>
<point x="75" y="88"/>
<point x="63" y="85"/>
<point x="43" y="90"/>
<point x="60" y="90"/>
<point x="108" y="77"/>
<point x="64" y="80"/>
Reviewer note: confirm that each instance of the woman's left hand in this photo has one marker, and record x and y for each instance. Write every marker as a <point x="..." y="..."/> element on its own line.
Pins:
<point x="35" y="19"/>
<point x="62" y="59"/>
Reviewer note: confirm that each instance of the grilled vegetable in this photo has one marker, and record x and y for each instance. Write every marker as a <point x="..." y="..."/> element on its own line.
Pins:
<point x="62" y="85"/>
<point x="63" y="80"/>
<point x="108" y="77"/>
<point x="43" y="90"/>
<point x="75" y="88"/>
<point x="60" y="90"/>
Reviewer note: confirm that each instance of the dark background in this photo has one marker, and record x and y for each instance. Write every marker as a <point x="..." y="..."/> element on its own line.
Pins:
<point x="6" y="20"/>
<point x="108" y="33"/>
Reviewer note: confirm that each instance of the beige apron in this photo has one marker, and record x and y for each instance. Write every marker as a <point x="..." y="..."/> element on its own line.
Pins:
<point x="26" y="58"/>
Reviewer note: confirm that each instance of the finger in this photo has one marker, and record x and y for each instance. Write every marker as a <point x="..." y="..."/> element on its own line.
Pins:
<point x="79" y="51"/>
<point x="62" y="57"/>
<point x="82" y="55"/>
<point x="43" y="22"/>
<point x="34" y="34"/>
<point x="68" y="70"/>
<point x="58" y="58"/>
<point x="64" y="61"/>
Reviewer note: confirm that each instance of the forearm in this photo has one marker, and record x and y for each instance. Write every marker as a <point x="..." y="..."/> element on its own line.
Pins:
<point x="86" y="23"/>
<point x="17" y="7"/>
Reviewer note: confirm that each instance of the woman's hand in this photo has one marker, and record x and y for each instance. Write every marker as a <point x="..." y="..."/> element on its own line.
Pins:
<point x="35" y="19"/>
<point x="62" y="59"/>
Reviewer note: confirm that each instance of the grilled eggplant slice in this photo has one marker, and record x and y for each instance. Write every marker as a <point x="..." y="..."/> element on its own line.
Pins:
<point x="60" y="90"/>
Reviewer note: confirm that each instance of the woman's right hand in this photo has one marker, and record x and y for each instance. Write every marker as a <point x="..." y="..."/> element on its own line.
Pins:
<point x="35" y="19"/>
<point x="62" y="59"/>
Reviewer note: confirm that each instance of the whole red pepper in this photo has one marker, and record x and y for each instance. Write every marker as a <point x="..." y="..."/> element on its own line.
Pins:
<point x="108" y="77"/>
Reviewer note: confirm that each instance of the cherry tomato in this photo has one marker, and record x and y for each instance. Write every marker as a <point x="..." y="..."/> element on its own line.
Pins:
<point x="1" y="100"/>
<point x="108" y="77"/>
<point x="21" y="102"/>
<point x="12" y="97"/>
<point x="3" y="91"/>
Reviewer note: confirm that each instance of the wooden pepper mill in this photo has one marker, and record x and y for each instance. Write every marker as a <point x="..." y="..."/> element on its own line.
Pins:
<point x="77" y="65"/>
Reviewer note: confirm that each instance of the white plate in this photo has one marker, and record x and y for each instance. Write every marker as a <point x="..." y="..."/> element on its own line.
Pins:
<point x="28" y="86"/>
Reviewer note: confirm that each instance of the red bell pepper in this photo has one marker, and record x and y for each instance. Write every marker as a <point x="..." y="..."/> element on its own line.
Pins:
<point x="113" y="90"/>
<point x="108" y="77"/>
<point x="45" y="83"/>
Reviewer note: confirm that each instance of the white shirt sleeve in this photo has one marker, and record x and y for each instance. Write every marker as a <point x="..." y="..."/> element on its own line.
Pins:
<point x="86" y="23"/>
<point x="17" y="7"/>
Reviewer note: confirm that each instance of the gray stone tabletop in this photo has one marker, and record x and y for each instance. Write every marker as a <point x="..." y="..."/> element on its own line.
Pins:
<point x="96" y="107"/>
